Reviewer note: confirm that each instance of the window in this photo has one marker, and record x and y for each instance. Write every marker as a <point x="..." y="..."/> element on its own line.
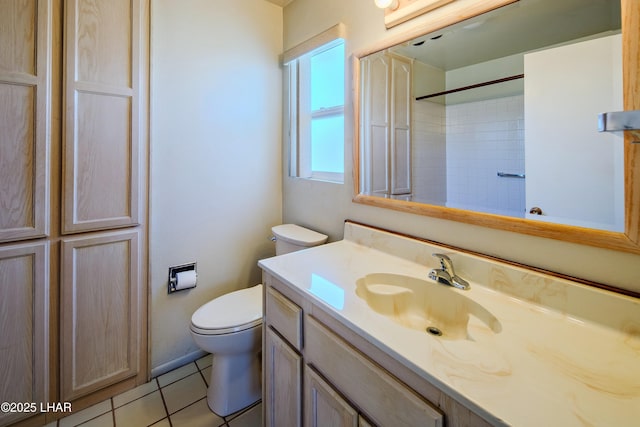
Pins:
<point x="316" y="112"/>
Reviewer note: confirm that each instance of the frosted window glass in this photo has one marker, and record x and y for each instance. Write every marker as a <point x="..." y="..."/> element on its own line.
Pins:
<point x="327" y="78"/>
<point x="327" y="151"/>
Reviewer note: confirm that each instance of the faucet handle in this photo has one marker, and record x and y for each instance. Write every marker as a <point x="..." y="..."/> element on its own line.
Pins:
<point x="447" y="267"/>
<point x="446" y="263"/>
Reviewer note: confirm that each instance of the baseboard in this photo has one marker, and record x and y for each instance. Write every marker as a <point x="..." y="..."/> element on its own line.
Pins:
<point x="176" y="363"/>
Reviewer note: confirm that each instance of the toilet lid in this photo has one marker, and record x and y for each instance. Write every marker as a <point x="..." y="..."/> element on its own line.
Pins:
<point x="231" y="312"/>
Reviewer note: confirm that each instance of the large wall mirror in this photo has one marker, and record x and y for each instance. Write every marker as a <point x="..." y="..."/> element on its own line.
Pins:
<point x="493" y="121"/>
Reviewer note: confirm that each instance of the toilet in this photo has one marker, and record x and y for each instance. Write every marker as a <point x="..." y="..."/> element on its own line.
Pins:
<point x="230" y="327"/>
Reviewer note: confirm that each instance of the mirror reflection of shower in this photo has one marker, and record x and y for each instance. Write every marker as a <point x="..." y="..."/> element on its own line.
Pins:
<point x="502" y="117"/>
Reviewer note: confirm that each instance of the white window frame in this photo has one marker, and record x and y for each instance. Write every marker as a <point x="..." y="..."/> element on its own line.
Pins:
<point x="298" y="104"/>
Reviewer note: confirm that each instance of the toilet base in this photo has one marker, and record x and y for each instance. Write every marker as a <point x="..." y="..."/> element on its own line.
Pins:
<point x="235" y="382"/>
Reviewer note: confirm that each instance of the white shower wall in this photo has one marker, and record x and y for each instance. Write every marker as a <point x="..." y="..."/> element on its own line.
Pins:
<point x="459" y="149"/>
<point x="484" y="138"/>
<point x="429" y="152"/>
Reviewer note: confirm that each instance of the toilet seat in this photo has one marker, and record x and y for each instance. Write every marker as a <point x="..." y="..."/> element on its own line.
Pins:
<point x="232" y="312"/>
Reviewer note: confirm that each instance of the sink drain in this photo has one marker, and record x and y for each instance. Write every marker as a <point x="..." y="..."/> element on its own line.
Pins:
<point x="434" y="331"/>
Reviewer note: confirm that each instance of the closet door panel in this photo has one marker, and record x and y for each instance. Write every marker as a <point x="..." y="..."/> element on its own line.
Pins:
<point x="18" y="35"/>
<point x="104" y="37"/>
<point x="376" y="136"/>
<point x="24" y="308"/>
<point x="103" y="160"/>
<point x="25" y="50"/>
<point x="104" y="114"/>
<point x="101" y="321"/>
<point x="401" y="76"/>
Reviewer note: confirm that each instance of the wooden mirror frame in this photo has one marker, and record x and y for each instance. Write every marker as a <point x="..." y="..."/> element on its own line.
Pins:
<point x="627" y="241"/>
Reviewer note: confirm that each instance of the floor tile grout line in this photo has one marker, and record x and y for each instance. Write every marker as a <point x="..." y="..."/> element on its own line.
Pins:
<point x="113" y="413"/>
<point x="191" y="404"/>
<point x="159" y="388"/>
<point x="164" y="403"/>
<point x="181" y="378"/>
<point x="137" y="398"/>
<point x="206" y="383"/>
<point x="93" y="418"/>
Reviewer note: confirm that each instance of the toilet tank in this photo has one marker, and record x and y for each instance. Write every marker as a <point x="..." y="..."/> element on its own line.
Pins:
<point x="291" y="238"/>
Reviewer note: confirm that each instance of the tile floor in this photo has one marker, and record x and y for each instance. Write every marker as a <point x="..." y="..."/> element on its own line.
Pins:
<point x="175" y="399"/>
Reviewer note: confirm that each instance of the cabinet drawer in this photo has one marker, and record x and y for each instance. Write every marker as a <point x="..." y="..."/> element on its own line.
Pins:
<point x="381" y="397"/>
<point x="285" y="317"/>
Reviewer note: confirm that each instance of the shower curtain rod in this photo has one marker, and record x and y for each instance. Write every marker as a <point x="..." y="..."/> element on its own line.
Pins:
<point x="460" y="89"/>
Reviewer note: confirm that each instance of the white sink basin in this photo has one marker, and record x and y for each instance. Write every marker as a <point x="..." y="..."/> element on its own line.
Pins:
<point x="426" y="305"/>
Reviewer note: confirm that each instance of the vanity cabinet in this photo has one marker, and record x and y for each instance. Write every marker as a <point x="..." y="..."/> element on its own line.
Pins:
<point x="323" y="404"/>
<point x="282" y="360"/>
<point x="318" y="373"/>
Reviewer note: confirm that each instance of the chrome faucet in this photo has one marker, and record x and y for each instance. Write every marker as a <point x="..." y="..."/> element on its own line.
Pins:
<point x="446" y="275"/>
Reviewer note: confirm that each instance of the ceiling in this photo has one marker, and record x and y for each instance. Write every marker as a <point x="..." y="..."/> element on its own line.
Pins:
<point x="520" y="27"/>
<point x="282" y="3"/>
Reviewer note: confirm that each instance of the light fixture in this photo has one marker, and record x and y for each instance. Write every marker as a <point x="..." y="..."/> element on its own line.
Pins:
<point x="384" y="4"/>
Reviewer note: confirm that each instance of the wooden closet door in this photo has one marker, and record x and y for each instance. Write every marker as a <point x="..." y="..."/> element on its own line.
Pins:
<point x="103" y="111"/>
<point x="401" y="95"/>
<point x="101" y="320"/>
<point x="375" y="104"/>
<point x="25" y="61"/>
<point x="24" y="343"/>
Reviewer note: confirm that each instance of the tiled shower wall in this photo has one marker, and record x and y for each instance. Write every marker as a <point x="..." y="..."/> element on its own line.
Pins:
<point x="429" y="153"/>
<point x="482" y="138"/>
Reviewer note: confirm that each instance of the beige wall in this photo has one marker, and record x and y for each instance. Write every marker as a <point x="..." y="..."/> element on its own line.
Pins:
<point x="215" y="155"/>
<point x="325" y="206"/>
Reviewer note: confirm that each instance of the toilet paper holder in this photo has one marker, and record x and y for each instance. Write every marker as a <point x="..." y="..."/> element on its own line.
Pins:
<point x="173" y="276"/>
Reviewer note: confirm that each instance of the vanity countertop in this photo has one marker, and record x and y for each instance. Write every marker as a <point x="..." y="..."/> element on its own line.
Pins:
<point x="567" y="354"/>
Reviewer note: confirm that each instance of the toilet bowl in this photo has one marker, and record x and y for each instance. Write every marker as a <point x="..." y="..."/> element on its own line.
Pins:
<point x="230" y="327"/>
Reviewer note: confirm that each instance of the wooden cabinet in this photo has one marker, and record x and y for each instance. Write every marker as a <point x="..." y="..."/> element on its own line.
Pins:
<point x="382" y="398"/>
<point x="386" y="139"/>
<point x="25" y="79"/>
<point x="282" y="362"/>
<point x="104" y="113"/>
<point x="323" y="405"/>
<point x="282" y="382"/>
<point x="342" y="386"/>
<point x="24" y="303"/>
<point x="100" y="333"/>
<point x="336" y="377"/>
<point x="104" y="145"/>
<point x="73" y="200"/>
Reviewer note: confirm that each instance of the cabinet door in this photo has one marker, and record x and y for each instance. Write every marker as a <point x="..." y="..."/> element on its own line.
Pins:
<point x="283" y="383"/>
<point x="104" y="113"/>
<point x="101" y="319"/>
<point x="24" y="308"/>
<point x="25" y="69"/>
<point x="375" y="135"/>
<point x="323" y="406"/>
<point x="400" y="125"/>
<point x="381" y="397"/>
